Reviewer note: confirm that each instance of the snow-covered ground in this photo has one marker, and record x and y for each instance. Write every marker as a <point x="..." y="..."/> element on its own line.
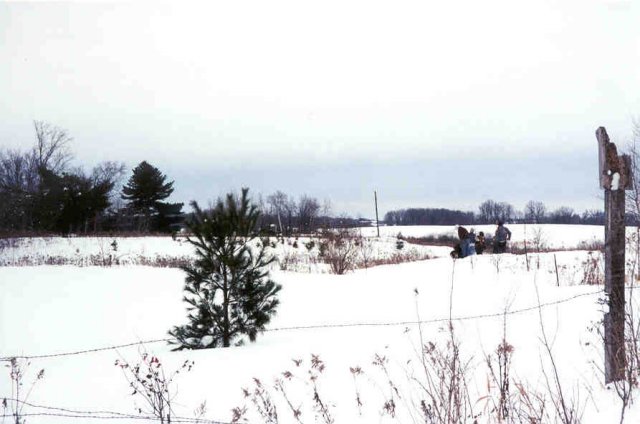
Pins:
<point x="83" y="251"/>
<point x="352" y="318"/>
<point x="80" y="250"/>
<point x="293" y="253"/>
<point x="554" y="236"/>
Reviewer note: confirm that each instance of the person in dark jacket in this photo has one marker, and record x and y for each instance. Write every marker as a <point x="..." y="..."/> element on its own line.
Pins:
<point x="460" y="248"/>
<point x="501" y="237"/>
<point x="481" y="243"/>
<point x="456" y="252"/>
<point x="462" y="232"/>
<point x="466" y="247"/>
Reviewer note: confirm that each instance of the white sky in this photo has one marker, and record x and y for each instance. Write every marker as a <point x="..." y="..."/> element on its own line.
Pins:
<point x="333" y="98"/>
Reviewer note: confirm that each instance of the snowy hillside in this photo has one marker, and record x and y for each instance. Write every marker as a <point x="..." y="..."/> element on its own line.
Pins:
<point x="343" y="337"/>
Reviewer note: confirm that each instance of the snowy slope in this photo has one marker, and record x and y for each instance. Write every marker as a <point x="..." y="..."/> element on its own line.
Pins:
<point x="50" y="309"/>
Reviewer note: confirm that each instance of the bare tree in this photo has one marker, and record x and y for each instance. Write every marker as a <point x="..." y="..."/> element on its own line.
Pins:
<point x="534" y="212"/>
<point x="109" y="172"/>
<point x="633" y="195"/>
<point x="486" y="211"/>
<point x="283" y="207"/>
<point x="52" y="150"/>
<point x="17" y="173"/>
<point x="327" y="208"/>
<point x="18" y="188"/>
<point x="491" y="211"/>
<point x="308" y="209"/>
<point x="35" y="183"/>
<point x="564" y="215"/>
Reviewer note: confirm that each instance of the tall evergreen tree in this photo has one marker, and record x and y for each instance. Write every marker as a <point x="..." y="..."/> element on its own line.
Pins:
<point x="69" y="202"/>
<point x="227" y="289"/>
<point x="145" y="191"/>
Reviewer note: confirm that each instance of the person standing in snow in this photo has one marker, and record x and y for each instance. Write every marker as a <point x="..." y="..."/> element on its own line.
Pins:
<point x="501" y="237"/>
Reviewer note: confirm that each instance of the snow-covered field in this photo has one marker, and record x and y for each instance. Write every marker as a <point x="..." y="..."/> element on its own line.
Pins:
<point x="293" y="253"/>
<point x="83" y="251"/>
<point x="346" y="320"/>
<point x="553" y="236"/>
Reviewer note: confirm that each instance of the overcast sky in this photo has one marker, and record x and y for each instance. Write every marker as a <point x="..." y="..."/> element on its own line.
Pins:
<point x="432" y="103"/>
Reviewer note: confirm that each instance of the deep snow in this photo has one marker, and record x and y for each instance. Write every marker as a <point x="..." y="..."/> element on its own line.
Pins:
<point x="55" y="309"/>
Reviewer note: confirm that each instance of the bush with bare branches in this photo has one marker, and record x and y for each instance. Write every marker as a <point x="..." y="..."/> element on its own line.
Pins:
<point x="339" y="251"/>
<point x="19" y="394"/>
<point x="149" y="382"/>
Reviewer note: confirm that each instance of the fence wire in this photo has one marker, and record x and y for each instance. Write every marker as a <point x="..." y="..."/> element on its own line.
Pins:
<point x="323" y="326"/>
<point x="52" y="411"/>
<point x="65" y="413"/>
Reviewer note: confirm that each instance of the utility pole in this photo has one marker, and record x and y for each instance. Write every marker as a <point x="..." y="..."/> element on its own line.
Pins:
<point x="615" y="178"/>
<point x="375" y="197"/>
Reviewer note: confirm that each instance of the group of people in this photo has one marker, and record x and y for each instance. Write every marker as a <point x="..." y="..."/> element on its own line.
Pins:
<point x="470" y="244"/>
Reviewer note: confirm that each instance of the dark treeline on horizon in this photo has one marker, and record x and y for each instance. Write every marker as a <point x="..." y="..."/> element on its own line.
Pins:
<point x="428" y="216"/>
<point x="41" y="193"/>
<point x="490" y="211"/>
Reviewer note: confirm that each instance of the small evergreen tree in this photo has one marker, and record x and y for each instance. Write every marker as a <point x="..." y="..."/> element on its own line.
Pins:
<point x="227" y="289"/>
<point x="145" y="191"/>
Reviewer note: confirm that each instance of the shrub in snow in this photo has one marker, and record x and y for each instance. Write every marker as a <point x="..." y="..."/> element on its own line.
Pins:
<point x="593" y="269"/>
<point x="288" y="261"/>
<point x="148" y="381"/>
<point x="339" y="251"/>
<point x="227" y="288"/>
<point x="310" y="245"/>
<point x="289" y="386"/>
<point x="14" y="407"/>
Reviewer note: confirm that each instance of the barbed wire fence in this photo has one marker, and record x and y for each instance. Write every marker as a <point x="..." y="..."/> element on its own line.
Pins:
<point x="323" y="326"/>
<point x="57" y="412"/>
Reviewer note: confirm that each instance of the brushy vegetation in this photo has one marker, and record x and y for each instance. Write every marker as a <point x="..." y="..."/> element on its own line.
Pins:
<point x="158" y="261"/>
<point x="436" y="387"/>
<point x="151" y="385"/>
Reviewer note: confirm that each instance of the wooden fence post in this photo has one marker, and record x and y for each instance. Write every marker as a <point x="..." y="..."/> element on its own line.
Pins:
<point x="375" y="196"/>
<point x="615" y="178"/>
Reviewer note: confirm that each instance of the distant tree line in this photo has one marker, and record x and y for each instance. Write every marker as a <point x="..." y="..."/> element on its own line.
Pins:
<point x="491" y="211"/>
<point x="428" y="216"/>
<point x="283" y="214"/>
<point x="41" y="192"/>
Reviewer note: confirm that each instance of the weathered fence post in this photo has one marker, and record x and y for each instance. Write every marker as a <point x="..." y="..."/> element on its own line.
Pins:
<point x="375" y="196"/>
<point x="615" y="178"/>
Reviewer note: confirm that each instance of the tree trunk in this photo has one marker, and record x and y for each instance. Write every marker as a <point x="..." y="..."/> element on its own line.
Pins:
<point x="226" y="336"/>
